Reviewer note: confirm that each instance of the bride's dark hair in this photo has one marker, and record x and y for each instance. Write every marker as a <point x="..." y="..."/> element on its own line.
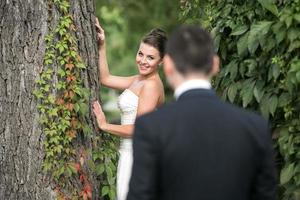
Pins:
<point x="156" y="38"/>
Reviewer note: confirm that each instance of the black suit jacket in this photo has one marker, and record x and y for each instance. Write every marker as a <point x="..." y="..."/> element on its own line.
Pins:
<point x="202" y="148"/>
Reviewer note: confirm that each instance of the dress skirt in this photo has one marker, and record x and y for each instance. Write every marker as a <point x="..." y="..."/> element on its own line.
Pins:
<point x="124" y="168"/>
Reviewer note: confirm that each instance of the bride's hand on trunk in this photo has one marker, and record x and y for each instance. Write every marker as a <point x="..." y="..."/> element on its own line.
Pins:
<point x="101" y="119"/>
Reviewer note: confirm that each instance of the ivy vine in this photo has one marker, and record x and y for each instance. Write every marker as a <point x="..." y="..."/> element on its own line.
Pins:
<point x="105" y="159"/>
<point x="63" y="106"/>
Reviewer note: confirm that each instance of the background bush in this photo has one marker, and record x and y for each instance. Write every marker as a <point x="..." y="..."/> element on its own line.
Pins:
<point x="258" y="42"/>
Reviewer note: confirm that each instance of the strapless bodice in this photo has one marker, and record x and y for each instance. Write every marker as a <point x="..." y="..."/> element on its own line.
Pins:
<point x="127" y="103"/>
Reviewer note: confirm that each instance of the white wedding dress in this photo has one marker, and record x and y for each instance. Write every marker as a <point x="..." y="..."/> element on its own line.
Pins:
<point x="127" y="103"/>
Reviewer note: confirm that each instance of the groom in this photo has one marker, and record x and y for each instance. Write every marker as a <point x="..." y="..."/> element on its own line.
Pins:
<point x="200" y="148"/>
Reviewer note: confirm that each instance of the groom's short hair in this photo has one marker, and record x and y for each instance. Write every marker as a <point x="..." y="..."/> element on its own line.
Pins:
<point x="191" y="49"/>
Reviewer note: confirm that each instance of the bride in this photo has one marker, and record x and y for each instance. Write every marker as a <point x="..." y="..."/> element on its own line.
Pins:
<point x="142" y="93"/>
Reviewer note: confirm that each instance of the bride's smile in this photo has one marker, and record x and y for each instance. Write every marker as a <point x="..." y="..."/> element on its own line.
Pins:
<point x="147" y="59"/>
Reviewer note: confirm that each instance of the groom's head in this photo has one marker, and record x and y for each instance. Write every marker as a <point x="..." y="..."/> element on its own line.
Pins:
<point x="189" y="54"/>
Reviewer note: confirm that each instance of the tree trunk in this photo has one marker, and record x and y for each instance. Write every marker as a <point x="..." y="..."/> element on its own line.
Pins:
<point x="23" y="27"/>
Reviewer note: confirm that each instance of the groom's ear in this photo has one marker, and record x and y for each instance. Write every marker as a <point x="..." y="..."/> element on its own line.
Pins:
<point x="215" y="65"/>
<point x="161" y="62"/>
<point x="169" y="65"/>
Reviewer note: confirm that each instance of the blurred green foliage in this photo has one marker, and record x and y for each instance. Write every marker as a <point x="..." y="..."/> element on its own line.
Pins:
<point x="259" y="44"/>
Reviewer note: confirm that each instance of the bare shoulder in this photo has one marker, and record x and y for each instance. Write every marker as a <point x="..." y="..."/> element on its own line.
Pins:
<point x="154" y="88"/>
<point x="152" y="85"/>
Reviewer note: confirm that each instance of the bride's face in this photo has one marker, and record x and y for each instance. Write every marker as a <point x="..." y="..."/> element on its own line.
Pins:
<point x="147" y="59"/>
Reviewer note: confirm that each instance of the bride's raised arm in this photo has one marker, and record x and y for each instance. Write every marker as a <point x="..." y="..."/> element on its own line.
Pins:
<point x="108" y="80"/>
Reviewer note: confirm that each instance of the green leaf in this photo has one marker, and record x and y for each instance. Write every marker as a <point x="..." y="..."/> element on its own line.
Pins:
<point x="91" y="164"/>
<point x="99" y="169"/>
<point x="61" y="49"/>
<point x="97" y="156"/>
<point x="40" y="81"/>
<point x="270" y="73"/>
<point x="53" y="112"/>
<point x="78" y="91"/>
<point x="288" y="21"/>
<point x="231" y="93"/>
<point x="269" y="5"/>
<point x="83" y="109"/>
<point x="61" y="72"/>
<point x="49" y="71"/>
<point x="294" y="45"/>
<point x="258" y="91"/>
<point x="232" y="68"/>
<point x="295" y="66"/>
<point x="47" y="166"/>
<point x="233" y="71"/>
<point x="43" y="120"/>
<point x="284" y="99"/>
<point x="110" y="180"/>
<point x="251" y="65"/>
<point x="42" y="108"/>
<point x="73" y="54"/>
<point x="68" y="172"/>
<point x="247" y="92"/>
<point x="60" y="171"/>
<point x="81" y="66"/>
<point x="46" y="88"/>
<point x="62" y="31"/>
<point x="268" y="43"/>
<point x="76" y="107"/>
<point x="48" y="61"/>
<point x="279" y="31"/>
<point x="61" y="85"/>
<point x="253" y="44"/>
<point x="257" y="30"/>
<point x="275" y="70"/>
<point x="51" y="98"/>
<point x="273" y="102"/>
<point x="104" y="191"/>
<point x="297" y="17"/>
<point x="71" y="166"/>
<point x="287" y="173"/>
<point x="109" y="171"/>
<point x="298" y="76"/>
<point x="242" y="44"/>
<point x="292" y="34"/>
<point x="264" y="105"/>
<point x="58" y="148"/>
<point x="38" y="94"/>
<point x="86" y="129"/>
<point x="112" y="193"/>
<point x="239" y="30"/>
<point x="54" y="140"/>
<point x="85" y="93"/>
<point x="217" y="40"/>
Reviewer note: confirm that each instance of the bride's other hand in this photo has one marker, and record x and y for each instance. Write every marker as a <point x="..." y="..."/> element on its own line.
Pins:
<point x="101" y="119"/>
<point x="100" y="33"/>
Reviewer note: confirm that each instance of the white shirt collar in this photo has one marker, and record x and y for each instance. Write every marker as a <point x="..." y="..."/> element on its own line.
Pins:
<point x="191" y="84"/>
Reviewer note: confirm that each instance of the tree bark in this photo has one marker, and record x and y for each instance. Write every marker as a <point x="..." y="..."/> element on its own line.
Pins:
<point x="23" y="27"/>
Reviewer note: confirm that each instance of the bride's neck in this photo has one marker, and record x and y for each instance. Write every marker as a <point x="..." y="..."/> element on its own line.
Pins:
<point x="149" y="76"/>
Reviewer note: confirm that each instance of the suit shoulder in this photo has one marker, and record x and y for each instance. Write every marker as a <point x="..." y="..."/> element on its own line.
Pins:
<point x="160" y="113"/>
